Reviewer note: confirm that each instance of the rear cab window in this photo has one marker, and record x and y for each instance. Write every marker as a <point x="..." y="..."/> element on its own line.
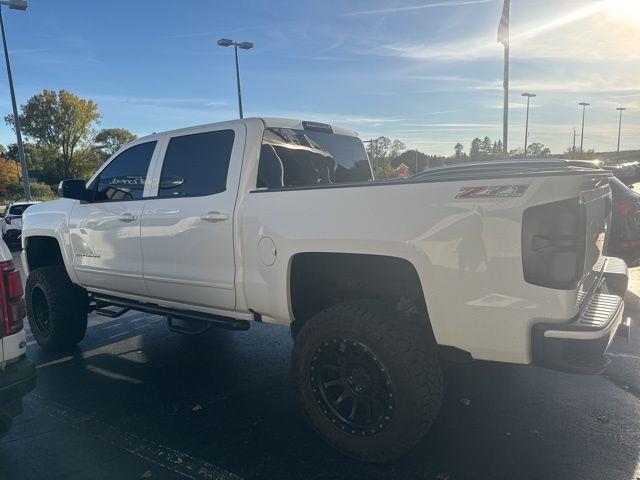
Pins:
<point x="294" y="158"/>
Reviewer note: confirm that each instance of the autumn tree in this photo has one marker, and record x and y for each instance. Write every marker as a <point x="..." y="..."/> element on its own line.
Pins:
<point x="9" y="176"/>
<point x="60" y="122"/>
<point x="382" y="152"/>
<point x="415" y="160"/>
<point x="109" y="140"/>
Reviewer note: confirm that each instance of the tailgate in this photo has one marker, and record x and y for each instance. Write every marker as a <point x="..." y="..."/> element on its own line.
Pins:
<point x="17" y="223"/>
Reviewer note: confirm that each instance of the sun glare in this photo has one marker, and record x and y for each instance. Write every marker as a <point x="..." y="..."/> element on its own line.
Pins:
<point x="625" y="10"/>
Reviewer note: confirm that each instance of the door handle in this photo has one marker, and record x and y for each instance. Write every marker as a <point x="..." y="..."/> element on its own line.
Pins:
<point x="214" y="217"/>
<point x="127" y="217"/>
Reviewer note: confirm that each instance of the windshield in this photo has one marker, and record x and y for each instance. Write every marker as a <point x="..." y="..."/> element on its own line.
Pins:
<point x="302" y="158"/>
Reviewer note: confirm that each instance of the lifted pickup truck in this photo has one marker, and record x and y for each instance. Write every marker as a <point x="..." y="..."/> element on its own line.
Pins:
<point x="281" y="221"/>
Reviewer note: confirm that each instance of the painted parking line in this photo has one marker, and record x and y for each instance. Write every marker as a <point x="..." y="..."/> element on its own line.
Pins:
<point x="166" y="457"/>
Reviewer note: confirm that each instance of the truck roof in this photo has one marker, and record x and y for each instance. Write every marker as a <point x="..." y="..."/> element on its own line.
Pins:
<point x="268" y="122"/>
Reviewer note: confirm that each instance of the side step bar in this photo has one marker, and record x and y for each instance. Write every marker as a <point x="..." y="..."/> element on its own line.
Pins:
<point x="171" y="313"/>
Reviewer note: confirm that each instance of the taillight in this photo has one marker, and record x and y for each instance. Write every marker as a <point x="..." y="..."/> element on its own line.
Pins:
<point x="623" y="208"/>
<point x="12" y="306"/>
<point x="554" y="244"/>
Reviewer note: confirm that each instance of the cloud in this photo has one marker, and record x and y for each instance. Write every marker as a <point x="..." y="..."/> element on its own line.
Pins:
<point x="452" y="3"/>
<point x="571" y="83"/>
<point x="586" y="33"/>
<point x="343" y="119"/>
<point x="159" y="101"/>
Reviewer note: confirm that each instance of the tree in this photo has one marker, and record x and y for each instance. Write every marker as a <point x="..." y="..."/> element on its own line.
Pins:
<point x="382" y="153"/>
<point x="574" y="154"/>
<point x="109" y="140"/>
<point x="516" y="153"/>
<point x="538" y="150"/>
<point x="496" y="150"/>
<point x="486" y="148"/>
<point x="459" y="152"/>
<point x="474" y="151"/>
<point x="413" y="159"/>
<point x="61" y="122"/>
<point x="9" y="176"/>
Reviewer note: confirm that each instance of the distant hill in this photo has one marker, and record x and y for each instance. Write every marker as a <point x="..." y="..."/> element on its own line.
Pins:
<point x="625" y="156"/>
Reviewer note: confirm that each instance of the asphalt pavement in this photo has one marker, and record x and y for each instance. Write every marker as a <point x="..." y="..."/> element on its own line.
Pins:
<point x="136" y="401"/>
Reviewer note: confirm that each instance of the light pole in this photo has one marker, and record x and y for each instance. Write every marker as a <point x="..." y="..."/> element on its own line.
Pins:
<point x="526" y="128"/>
<point x="225" y="42"/>
<point x="16" y="5"/>
<point x="584" y="106"/>
<point x="620" y="109"/>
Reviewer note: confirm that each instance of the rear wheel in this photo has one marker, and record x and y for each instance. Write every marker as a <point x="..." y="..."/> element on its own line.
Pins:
<point x="57" y="309"/>
<point x="368" y="379"/>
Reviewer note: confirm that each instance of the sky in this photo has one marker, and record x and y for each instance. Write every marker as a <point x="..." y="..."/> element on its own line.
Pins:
<point x="428" y="73"/>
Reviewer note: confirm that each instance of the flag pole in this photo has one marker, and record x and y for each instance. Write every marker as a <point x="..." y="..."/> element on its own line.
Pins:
<point x="505" y="120"/>
<point x="504" y="39"/>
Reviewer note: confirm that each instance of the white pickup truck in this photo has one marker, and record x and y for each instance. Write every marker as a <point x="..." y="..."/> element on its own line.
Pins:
<point x="280" y="221"/>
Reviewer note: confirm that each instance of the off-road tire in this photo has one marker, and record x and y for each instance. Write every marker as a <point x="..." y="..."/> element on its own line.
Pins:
<point x="66" y="308"/>
<point x="406" y="352"/>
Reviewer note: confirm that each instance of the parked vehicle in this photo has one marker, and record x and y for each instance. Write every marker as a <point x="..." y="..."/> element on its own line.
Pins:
<point x="17" y="372"/>
<point x="281" y="221"/>
<point x="627" y="173"/>
<point x="625" y="226"/>
<point x="12" y="224"/>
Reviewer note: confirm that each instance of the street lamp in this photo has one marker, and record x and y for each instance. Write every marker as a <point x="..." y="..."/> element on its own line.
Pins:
<point x="584" y="106"/>
<point x="620" y="109"/>
<point x="526" y="128"/>
<point x="225" y="42"/>
<point x="15" y="5"/>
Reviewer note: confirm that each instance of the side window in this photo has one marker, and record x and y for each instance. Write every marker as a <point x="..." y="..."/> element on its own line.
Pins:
<point x="125" y="177"/>
<point x="197" y="164"/>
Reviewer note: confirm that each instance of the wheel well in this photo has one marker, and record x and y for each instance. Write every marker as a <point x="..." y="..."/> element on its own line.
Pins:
<point x="43" y="252"/>
<point x="319" y="280"/>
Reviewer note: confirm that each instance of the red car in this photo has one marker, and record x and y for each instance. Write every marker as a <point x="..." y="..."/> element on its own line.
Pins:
<point x="624" y="241"/>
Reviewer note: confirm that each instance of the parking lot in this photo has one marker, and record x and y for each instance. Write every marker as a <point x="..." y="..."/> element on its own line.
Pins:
<point x="136" y="401"/>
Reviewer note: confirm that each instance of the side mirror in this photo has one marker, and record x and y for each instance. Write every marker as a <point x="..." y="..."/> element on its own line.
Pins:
<point x="74" y="189"/>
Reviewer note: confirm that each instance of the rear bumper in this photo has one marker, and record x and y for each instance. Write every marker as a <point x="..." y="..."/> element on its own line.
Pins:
<point x="17" y="379"/>
<point x="580" y="346"/>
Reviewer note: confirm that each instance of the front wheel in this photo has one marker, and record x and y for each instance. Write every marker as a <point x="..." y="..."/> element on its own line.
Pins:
<point x="368" y="379"/>
<point x="57" y="309"/>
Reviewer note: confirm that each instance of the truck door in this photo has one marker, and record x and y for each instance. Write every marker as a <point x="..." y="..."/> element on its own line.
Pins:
<point x="105" y="232"/>
<point x="187" y="228"/>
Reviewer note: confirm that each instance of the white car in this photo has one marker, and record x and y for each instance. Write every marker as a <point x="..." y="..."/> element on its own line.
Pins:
<point x="281" y="221"/>
<point x="12" y="222"/>
<point x="17" y="372"/>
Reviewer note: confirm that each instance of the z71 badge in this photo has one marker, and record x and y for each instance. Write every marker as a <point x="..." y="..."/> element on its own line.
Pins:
<point x="497" y="191"/>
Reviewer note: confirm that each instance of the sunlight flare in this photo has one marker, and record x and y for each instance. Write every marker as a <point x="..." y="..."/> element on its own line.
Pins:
<point x="625" y="10"/>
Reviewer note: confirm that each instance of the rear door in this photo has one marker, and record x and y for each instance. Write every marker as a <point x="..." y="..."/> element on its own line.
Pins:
<point x="187" y="228"/>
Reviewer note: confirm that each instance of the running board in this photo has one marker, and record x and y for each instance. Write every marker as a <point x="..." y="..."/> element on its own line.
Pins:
<point x="171" y="313"/>
<point x="105" y="311"/>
